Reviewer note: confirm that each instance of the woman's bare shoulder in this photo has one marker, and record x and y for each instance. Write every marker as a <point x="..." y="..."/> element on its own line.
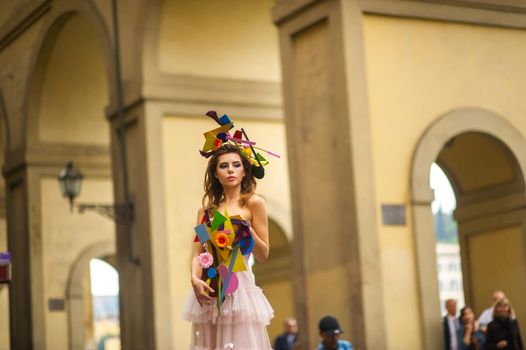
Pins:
<point x="256" y="201"/>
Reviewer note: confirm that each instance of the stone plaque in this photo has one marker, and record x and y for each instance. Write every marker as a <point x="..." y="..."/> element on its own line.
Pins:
<point x="55" y="304"/>
<point x="393" y="214"/>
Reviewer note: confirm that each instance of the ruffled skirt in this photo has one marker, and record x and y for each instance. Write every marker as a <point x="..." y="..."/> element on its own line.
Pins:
<point x="241" y="324"/>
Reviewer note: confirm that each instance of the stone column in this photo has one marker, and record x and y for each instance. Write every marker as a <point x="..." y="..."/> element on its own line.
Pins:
<point x="29" y="291"/>
<point x="26" y="291"/>
<point x="336" y="253"/>
<point x="144" y="285"/>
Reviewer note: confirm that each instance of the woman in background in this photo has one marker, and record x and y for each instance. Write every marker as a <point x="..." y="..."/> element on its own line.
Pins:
<point x="469" y="336"/>
<point x="503" y="332"/>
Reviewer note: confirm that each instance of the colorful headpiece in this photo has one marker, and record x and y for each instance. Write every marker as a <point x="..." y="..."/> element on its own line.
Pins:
<point x="215" y="138"/>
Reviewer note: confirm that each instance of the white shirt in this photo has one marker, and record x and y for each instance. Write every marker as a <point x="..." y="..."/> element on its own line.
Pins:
<point x="452" y="323"/>
<point x="486" y="317"/>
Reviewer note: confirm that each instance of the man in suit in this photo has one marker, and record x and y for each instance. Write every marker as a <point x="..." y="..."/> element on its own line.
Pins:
<point x="286" y="340"/>
<point x="451" y="325"/>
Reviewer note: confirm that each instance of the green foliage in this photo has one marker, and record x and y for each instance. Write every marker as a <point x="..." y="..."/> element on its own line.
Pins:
<point x="445" y="227"/>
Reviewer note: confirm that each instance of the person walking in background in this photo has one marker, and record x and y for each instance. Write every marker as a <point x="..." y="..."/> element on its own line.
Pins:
<point x="503" y="332"/>
<point x="487" y="315"/>
<point x="469" y="335"/>
<point x="330" y="332"/>
<point x="288" y="338"/>
<point x="451" y="326"/>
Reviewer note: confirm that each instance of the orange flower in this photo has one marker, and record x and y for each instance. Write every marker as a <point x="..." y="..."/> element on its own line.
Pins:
<point x="217" y="143"/>
<point x="222" y="240"/>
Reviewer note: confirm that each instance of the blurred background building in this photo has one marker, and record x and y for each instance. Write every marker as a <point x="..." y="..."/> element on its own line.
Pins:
<point x="359" y="97"/>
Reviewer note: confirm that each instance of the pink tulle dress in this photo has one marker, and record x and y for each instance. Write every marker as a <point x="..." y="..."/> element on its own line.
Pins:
<point x="241" y="324"/>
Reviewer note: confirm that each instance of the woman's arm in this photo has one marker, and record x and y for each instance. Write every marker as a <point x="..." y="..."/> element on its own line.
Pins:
<point x="201" y="289"/>
<point x="259" y="227"/>
<point x="468" y="331"/>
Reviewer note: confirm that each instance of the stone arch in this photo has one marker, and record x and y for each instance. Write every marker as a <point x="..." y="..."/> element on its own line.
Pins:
<point x="75" y="291"/>
<point x="281" y="216"/>
<point x="446" y="127"/>
<point x="275" y="275"/>
<point x="58" y="17"/>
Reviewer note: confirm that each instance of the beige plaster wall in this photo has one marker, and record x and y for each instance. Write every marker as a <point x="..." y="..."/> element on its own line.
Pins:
<point x="500" y="254"/>
<point x="279" y="295"/>
<point x="232" y="39"/>
<point x="416" y="71"/>
<point x="274" y="276"/>
<point x="184" y="174"/>
<point x="64" y="236"/>
<point x="74" y="90"/>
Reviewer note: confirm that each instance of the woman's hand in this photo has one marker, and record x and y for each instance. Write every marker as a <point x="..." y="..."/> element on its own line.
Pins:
<point x="502" y="344"/>
<point x="468" y="330"/>
<point x="201" y="290"/>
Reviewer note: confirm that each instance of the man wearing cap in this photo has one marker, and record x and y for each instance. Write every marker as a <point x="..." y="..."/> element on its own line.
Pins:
<point x="330" y="333"/>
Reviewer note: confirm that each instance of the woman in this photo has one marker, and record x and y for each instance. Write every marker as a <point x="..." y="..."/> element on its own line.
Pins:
<point x="469" y="335"/>
<point x="503" y="331"/>
<point x="240" y="323"/>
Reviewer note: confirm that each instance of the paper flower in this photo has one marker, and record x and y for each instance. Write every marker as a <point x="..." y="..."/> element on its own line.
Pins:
<point x="229" y="346"/>
<point x="205" y="260"/>
<point x="222" y="240"/>
<point x="217" y="143"/>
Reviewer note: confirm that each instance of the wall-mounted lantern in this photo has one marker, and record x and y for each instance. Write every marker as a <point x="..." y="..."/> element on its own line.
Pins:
<point x="70" y="181"/>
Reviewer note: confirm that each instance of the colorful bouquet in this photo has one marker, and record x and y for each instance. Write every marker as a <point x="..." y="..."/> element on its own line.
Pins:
<point x="225" y="239"/>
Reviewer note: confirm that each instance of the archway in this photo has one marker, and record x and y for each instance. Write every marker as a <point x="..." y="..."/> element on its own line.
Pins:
<point x="447" y="244"/>
<point x="275" y="277"/>
<point x="78" y="295"/>
<point x="484" y="157"/>
<point x="67" y="96"/>
<point x="70" y="87"/>
<point x="105" y="306"/>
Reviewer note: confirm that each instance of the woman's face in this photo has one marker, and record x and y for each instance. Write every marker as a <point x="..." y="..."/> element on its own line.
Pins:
<point x="468" y="316"/>
<point x="501" y="310"/>
<point x="230" y="170"/>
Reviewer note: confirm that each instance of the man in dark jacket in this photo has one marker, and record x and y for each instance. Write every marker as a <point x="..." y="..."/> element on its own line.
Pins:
<point x="451" y="326"/>
<point x="286" y="340"/>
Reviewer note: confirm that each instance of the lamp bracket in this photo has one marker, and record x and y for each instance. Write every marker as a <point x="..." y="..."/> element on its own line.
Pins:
<point x="116" y="212"/>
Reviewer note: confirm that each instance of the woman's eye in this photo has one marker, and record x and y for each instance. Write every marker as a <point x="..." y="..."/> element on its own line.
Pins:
<point x="223" y="166"/>
<point x="237" y="164"/>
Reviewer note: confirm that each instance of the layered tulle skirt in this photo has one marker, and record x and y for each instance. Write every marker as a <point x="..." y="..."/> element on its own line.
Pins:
<point x="239" y="325"/>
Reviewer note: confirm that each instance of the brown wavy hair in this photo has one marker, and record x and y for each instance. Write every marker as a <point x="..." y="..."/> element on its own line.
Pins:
<point x="214" y="190"/>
